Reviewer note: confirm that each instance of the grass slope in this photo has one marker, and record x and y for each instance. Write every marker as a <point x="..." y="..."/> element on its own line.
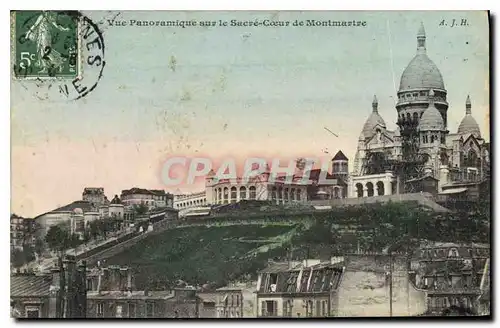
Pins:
<point x="219" y="254"/>
<point x="200" y="255"/>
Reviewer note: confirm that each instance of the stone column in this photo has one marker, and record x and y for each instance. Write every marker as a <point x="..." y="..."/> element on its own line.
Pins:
<point x="387" y="187"/>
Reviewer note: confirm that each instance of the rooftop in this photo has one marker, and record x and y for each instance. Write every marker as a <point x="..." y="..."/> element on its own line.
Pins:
<point x="30" y="286"/>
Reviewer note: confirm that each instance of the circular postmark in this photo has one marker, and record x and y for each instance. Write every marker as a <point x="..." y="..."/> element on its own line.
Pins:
<point x="57" y="55"/>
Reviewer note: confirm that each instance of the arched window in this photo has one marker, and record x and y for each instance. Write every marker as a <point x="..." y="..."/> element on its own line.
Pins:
<point x="415" y="116"/>
<point x="369" y="187"/>
<point x="234" y="194"/>
<point x="280" y="193"/>
<point x="220" y="195"/>
<point x="298" y="194"/>
<point x="243" y="193"/>
<point x="380" y="188"/>
<point x="453" y="252"/>
<point x="472" y="158"/>
<point x="335" y="193"/>
<point x="286" y="194"/>
<point x="226" y="195"/>
<point x="253" y="192"/>
<point x="292" y="194"/>
<point x="359" y="189"/>
<point x="408" y="116"/>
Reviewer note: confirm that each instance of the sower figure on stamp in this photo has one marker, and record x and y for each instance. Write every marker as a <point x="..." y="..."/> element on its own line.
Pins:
<point x="40" y="33"/>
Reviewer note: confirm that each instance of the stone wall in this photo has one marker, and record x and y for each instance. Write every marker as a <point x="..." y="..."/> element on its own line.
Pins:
<point x="365" y="289"/>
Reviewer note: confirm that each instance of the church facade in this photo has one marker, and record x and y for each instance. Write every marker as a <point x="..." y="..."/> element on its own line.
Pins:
<point x="421" y="155"/>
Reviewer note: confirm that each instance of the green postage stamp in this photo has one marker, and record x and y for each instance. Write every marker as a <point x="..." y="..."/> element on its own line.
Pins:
<point x="45" y="44"/>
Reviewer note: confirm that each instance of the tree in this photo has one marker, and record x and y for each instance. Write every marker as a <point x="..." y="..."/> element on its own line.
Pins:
<point x="17" y="258"/>
<point x="86" y="236"/>
<point x="39" y="247"/>
<point x="94" y="229"/>
<point x="28" y="254"/>
<point x="74" y="240"/>
<point x="141" y="209"/>
<point x="57" y="238"/>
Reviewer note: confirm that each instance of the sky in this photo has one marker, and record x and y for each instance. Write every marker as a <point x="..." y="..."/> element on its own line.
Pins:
<point x="231" y="92"/>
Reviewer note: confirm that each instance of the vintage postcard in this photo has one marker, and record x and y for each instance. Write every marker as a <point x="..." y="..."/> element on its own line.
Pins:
<point x="250" y="164"/>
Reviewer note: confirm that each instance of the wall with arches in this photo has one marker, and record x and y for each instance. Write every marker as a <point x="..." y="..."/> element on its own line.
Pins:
<point x="372" y="185"/>
<point x="226" y="193"/>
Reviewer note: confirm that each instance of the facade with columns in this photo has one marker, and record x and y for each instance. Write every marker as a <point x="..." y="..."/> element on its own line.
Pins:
<point x="455" y="160"/>
<point x="225" y="191"/>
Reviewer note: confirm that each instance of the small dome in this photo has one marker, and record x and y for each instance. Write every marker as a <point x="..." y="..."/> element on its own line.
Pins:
<point x="431" y="120"/>
<point x="469" y="125"/>
<point x="116" y="200"/>
<point x="373" y="120"/>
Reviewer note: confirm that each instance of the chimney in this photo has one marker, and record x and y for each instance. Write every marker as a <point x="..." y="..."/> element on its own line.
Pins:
<point x="129" y="280"/>
<point x="336" y="259"/>
<point x="310" y="262"/>
<point x="99" y="280"/>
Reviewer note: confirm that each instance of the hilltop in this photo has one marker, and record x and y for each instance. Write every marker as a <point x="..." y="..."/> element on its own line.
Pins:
<point x="219" y="254"/>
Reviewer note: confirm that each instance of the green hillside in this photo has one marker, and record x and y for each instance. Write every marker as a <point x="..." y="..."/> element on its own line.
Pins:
<point x="219" y="254"/>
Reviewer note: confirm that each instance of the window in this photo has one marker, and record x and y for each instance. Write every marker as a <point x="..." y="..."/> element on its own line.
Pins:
<point x="273" y="280"/>
<point x="269" y="308"/>
<point x="100" y="310"/>
<point x="253" y="194"/>
<point x="150" y="310"/>
<point x="233" y="194"/>
<point x="32" y="312"/>
<point x="309" y="308"/>
<point x="243" y="193"/>
<point x="89" y="284"/>
<point x="324" y="308"/>
<point x="131" y="310"/>
<point x="287" y="308"/>
<point x="298" y="194"/>
<point x="119" y="310"/>
<point x="292" y="282"/>
<point x="453" y="252"/>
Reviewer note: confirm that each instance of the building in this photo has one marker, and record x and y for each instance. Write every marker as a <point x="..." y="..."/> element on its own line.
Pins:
<point x="95" y="196"/>
<point x="452" y="274"/>
<point x="297" y="289"/>
<point x="229" y="302"/>
<point x="111" y="294"/>
<point x="73" y="217"/>
<point x="22" y="232"/>
<point x="60" y="294"/>
<point x="189" y="202"/>
<point x="347" y="286"/>
<point x="31" y="296"/>
<point x="149" y="197"/>
<point x="421" y="154"/>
